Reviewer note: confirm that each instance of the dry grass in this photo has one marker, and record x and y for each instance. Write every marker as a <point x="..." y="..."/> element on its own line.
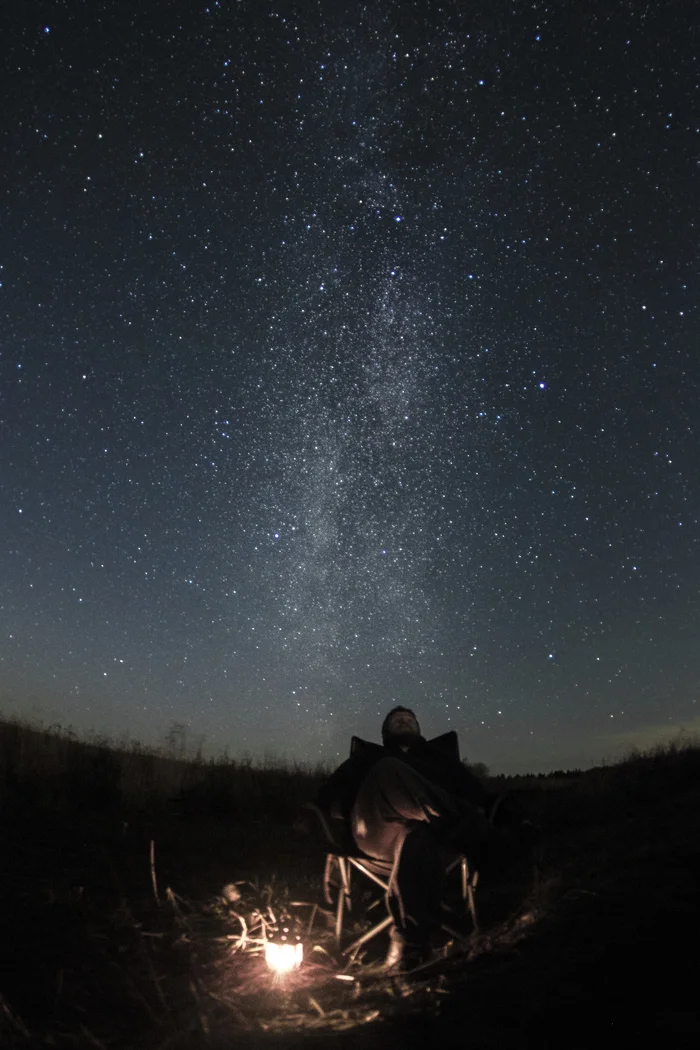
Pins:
<point x="120" y="932"/>
<point x="53" y="767"/>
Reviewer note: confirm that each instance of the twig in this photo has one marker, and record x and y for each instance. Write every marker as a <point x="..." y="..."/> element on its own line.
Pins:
<point x="243" y="939"/>
<point x="230" y="1005"/>
<point x="200" y="1012"/>
<point x="17" y="1022"/>
<point x="317" y="1006"/>
<point x="177" y="1037"/>
<point x="182" y="900"/>
<point x="133" y="988"/>
<point x="153" y="872"/>
<point x="91" y="1038"/>
<point x="155" y="978"/>
<point x="143" y="949"/>
<point x="172" y="900"/>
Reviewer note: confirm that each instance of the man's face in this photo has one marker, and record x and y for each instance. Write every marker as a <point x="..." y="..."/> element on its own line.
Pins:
<point x="402" y="724"/>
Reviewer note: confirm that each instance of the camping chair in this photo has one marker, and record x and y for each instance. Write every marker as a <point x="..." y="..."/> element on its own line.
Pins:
<point x="344" y="857"/>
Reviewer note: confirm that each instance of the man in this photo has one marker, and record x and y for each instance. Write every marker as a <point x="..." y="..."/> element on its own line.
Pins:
<point x="409" y="802"/>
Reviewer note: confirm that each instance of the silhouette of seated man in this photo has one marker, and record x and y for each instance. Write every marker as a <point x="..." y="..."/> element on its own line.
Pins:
<point x="410" y="802"/>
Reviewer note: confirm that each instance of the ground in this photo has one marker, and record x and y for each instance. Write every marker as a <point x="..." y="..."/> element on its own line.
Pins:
<point x="593" y="940"/>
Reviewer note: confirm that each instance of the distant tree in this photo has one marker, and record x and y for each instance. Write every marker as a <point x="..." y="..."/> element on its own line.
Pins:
<point x="176" y="740"/>
<point x="479" y="769"/>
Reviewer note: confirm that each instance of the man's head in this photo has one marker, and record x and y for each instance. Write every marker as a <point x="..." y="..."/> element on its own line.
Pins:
<point x="400" y="727"/>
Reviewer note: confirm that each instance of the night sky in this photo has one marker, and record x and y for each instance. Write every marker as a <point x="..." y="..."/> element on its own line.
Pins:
<point x="349" y="356"/>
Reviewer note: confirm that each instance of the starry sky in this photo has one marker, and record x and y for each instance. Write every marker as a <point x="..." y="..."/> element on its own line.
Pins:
<point x="349" y="357"/>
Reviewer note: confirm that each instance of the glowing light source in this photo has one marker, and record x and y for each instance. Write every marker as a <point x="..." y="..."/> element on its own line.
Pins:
<point x="283" y="956"/>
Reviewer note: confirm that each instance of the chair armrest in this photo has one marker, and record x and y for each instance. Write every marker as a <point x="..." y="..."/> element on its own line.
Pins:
<point x="337" y="831"/>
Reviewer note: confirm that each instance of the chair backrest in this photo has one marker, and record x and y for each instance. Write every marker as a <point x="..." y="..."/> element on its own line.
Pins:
<point x="360" y="748"/>
<point x="446" y="744"/>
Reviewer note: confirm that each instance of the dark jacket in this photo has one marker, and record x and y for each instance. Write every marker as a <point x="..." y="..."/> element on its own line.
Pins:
<point x="437" y="760"/>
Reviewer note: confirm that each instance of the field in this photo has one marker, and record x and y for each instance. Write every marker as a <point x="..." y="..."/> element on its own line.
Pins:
<point x="117" y="931"/>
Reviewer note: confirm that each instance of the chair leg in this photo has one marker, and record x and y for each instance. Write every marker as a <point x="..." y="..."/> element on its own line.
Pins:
<point x="342" y="887"/>
<point x="353" y="948"/>
<point x="343" y="896"/>
<point x="468" y="881"/>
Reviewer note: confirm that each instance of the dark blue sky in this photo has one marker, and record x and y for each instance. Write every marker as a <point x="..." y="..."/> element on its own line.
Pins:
<point x="349" y="356"/>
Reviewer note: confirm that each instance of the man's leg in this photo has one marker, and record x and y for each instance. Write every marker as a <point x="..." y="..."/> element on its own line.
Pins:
<point x="401" y="817"/>
<point x="393" y="796"/>
<point x="419" y="885"/>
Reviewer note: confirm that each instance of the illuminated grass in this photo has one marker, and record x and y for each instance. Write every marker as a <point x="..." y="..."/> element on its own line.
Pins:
<point x="140" y="889"/>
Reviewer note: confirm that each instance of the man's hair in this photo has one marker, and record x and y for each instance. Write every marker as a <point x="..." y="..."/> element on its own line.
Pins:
<point x="393" y="712"/>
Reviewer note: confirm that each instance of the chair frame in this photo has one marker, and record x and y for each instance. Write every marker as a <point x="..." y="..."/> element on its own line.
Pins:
<point x="337" y="876"/>
<point x="343" y="856"/>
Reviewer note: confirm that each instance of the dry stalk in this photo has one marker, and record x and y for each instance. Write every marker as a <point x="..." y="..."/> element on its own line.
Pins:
<point x="317" y="1006"/>
<point x="200" y="1012"/>
<point x="16" y="1022"/>
<point x="176" y="1037"/>
<point x="153" y="872"/>
<point x="143" y="947"/>
<point x="314" y="910"/>
<point x="182" y="900"/>
<point x="156" y="980"/>
<point x="92" y="1038"/>
<point x="243" y="939"/>
<point x="333" y="1020"/>
<point x="173" y="902"/>
<point x="130" y="984"/>
<point x="230" y="1005"/>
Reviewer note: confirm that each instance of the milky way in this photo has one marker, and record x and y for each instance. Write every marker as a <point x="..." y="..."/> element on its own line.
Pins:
<point x="349" y="357"/>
